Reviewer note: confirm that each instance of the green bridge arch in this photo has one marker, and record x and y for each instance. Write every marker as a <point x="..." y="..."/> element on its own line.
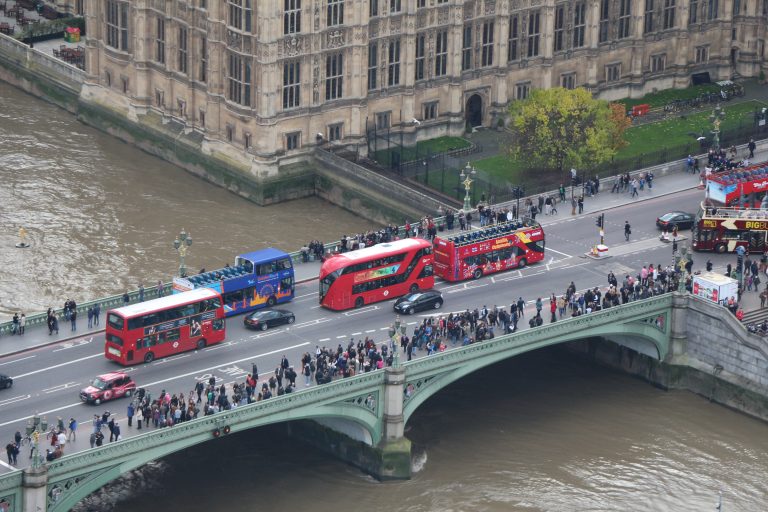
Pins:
<point x="365" y="403"/>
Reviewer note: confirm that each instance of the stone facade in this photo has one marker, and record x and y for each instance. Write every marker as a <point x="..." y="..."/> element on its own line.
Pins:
<point x="266" y="81"/>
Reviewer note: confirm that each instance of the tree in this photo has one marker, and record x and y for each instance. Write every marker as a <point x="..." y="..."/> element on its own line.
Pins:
<point x="555" y="128"/>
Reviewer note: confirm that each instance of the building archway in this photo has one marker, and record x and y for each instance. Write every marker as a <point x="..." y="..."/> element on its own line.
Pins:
<point x="474" y="110"/>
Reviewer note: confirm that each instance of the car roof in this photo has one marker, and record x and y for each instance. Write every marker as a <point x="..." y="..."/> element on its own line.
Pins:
<point x="112" y="375"/>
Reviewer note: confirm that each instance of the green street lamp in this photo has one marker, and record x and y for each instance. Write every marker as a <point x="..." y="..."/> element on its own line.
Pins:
<point x="181" y="243"/>
<point x="35" y="428"/>
<point x="466" y="176"/>
<point x="716" y="118"/>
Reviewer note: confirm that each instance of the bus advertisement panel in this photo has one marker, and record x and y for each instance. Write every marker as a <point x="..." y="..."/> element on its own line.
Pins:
<point x="380" y="272"/>
<point x="488" y="250"/>
<point x="258" y="279"/>
<point x="162" y="327"/>
<point x="722" y="229"/>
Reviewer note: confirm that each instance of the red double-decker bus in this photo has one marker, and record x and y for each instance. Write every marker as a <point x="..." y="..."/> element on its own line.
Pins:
<point x="165" y="326"/>
<point x="485" y="251"/>
<point x="742" y="184"/>
<point x="723" y="229"/>
<point x="381" y="272"/>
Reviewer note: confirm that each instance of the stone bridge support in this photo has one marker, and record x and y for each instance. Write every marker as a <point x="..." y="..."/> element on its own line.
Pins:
<point x="34" y="488"/>
<point x="395" y="449"/>
<point x="678" y="338"/>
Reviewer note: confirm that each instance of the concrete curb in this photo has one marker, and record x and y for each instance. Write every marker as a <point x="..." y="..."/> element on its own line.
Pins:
<point x="48" y="343"/>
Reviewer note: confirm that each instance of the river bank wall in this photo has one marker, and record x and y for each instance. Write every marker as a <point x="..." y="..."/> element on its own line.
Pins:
<point x="713" y="356"/>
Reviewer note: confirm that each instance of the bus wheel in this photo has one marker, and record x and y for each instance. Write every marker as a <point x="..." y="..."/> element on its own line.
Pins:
<point x="414" y="288"/>
<point x="149" y="357"/>
<point x="522" y="263"/>
<point x="359" y="302"/>
<point x="477" y="274"/>
<point x="201" y="344"/>
<point x="271" y="301"/>
<point x="720" y="248"/>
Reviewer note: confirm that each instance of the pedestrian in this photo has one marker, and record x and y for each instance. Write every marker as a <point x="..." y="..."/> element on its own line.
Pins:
<point x="139" y="417"/>
<point x="649" y="178"/>
<point x="160" y="289"/>
<point x="126" y="298"/>
<point x="635" y="185"/>
<point x="116" y="432"/>
<point x="751" y="147"/>
<point x="131" y="411"/>
<point x="581" y="204"/>
<point x="90" y="317"/>
<point x="72" y="429"/>
<point x="307" y="374"/>
<point x="73" y="319"/>
<point x="573" y="205"/>
<point x="96" y="312"/>
<point x="15" y="324"/>
<point x="627" y="230"/>
<point x="561" y="190"/>
<point x="10" y="448"/>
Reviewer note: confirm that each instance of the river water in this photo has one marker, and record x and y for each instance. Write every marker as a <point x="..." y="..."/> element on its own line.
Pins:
<point x="541" y="432"/>
<point x="101" y="215"/>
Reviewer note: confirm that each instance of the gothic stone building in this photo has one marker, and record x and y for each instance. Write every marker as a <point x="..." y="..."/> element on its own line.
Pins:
<point x="263" y="82"/>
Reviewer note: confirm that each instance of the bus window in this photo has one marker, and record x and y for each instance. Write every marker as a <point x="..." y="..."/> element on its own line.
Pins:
<point x="286" y="283"/>
<point x="115" y="321"/>
<point x="284" y="264"/>
<point x="236" y="296"/>
<point x="114" y="339"/>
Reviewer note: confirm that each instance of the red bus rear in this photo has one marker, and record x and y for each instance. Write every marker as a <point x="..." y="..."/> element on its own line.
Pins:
<point x="381" y="272"/>
<point x="488" y="250"/>
<point x="162" y="327"/>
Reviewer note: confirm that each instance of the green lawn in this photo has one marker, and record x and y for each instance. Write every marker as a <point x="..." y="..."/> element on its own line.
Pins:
<point x="673" y="134"/>
<point x="422" y="149"/>
<point x="661" y="98"/>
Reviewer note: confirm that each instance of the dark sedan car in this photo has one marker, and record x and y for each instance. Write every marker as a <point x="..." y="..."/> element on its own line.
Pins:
<point x="268" y="318"/>
<point x="680" y="219"/>
<point x="419" y="301"/>
<point x="5" y="381"/>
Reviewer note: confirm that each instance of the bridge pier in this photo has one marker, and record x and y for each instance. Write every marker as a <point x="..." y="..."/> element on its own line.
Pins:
<point x="394" y="448"/>
<point x="678" y="337"/>
<point x="34" y="482"/>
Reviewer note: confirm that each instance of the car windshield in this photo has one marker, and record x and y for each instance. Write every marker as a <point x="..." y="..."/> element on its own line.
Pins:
<point x="99" y="383"/>
<point x="414" y="297"/>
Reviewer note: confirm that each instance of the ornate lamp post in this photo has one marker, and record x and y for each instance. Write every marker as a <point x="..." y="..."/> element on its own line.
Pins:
<point x="35" y="428"/>
<point x="181" y="243"/>
<point x="466" y="176"/>
<point x="716" y="118"/>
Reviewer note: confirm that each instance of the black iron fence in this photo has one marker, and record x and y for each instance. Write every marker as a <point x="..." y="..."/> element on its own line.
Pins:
<point x="442" y="172"/>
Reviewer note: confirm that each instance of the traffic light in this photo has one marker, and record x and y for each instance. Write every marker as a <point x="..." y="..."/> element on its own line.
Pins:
<point x="599" y="221"/>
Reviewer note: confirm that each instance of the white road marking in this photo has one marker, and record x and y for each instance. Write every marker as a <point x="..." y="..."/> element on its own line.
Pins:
<point x="356" y="333"/>
<point x="311" y="323"/>
<point x="324" y="339"/>
<point x="361" y="310"/>
<point x="370" y="331"/>
<point x="558" y="252"/>
<point x="169" y="379"/>
<point x="16" y="360"/>
<point x="15" y="399"/>
<point x="6" y="465"/>
<point x="340" y="337"/>
<point x="73" y="344"/>
<point x="41" y="370"/>
<point x="61" y="387"/>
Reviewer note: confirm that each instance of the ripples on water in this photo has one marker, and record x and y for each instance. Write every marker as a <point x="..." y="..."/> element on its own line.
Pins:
<point x="101" y="215"/>
<point x="540" y="433"/>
